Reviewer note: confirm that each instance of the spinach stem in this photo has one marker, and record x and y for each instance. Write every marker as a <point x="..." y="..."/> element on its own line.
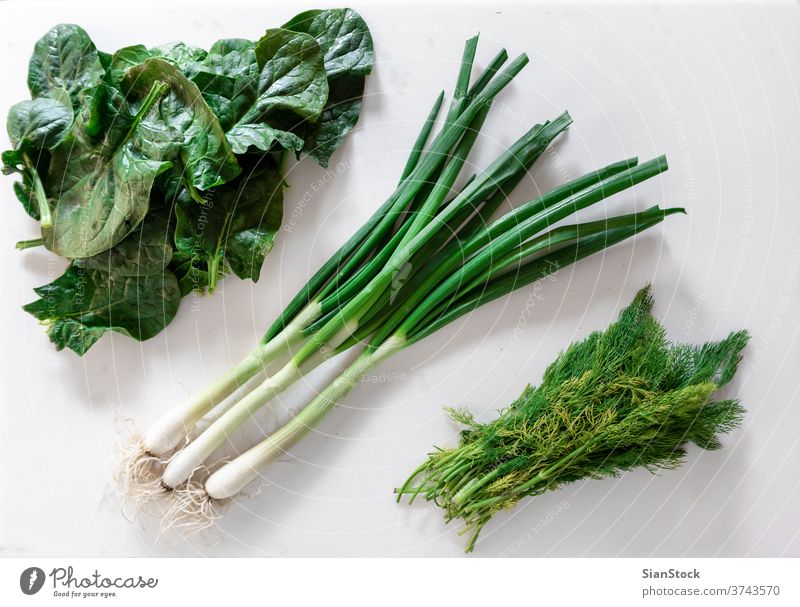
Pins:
<point x="194" y="193"/>
<point x="45" y="215"/>
<point x="213" y="271"/>
<point x="29" y="244"/>
<point x="216" y="259"/>
<point x="158" y="89"/>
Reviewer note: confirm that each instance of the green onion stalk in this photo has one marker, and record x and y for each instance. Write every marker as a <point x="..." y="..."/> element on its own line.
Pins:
<point x="440" y="166"/>
<point x="170" y="431"/>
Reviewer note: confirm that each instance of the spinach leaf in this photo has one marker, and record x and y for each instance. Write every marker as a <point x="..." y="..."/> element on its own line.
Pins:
<point x="40" y="123"/>
<point x="23" y="192"/>
<point x="291" y="80"/>
<point x="182" y="115"/>
<point x="237" y="227"/>
<point x="191" y="271"/>
<point x="177" y="53"/>
<point x="124" y="59"/>
<point x="34" y="127"/>
<point x="128" y="289"/>
<point x="232" y="57"/>
<point x="346" y="43"/>
<point x="81" y="305"/>
<point x="65" y="58"/>
<point x="256" y="216"/>
<point x="102" y="189"/>
<point x="228" y="78"/>
<point x="105" y="59"/>
<point x="261" y="136"/>
<point x="104" y="186"/>
<point x="342" y="35"/>
<point x="147" y="250"/>
<point x="13" y="161"/>
<point x="338" y="118"/>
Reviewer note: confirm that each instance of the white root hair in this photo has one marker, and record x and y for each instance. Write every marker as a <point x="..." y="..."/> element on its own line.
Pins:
<point x="190" y="509"/>
<point x="137" y="476"/>
<point x="137" y="480"/>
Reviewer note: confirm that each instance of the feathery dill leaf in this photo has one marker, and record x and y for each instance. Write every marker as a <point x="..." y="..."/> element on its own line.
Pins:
<point x="620" y="399"/>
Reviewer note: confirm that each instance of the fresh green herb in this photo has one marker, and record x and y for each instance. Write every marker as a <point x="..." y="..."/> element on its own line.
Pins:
<point x="35" y="127"/>
<point x="128" y="289"/>
<point x="621" y="399"/>
<point x="291" y="81"/>
<point x="101" y="188"/>
<point x="109" y="139"/>
<point x="237" y="227"/>
<point x="65" y="58"/>
<point x="428" y="255"/>
<point x="346" y="45"/>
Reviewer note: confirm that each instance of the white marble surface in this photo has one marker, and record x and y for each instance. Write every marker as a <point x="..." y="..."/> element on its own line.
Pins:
<point x="715" y="87"/>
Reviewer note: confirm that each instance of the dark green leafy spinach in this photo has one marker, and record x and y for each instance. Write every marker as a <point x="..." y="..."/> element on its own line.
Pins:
<point x="101" y="189"/>
<point x="40" y="123"/>
<point x="35" y="127"/>
<point x="346" y="44"/>
<point x="65" y="58"/>
<point x="182" y="116"/>
<point x="128" y="289"/>
<point x="176" y="53"/>
<point x="236" y="228"/>
<point x="291" y="79"/>
<point x="228" y="78"/>
<point x="158" y="170"/>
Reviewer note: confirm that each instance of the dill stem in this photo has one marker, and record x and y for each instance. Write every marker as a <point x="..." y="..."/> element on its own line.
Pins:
<point x="455" y="471"/>
<point x="474" y="538"/>
<point x="543" y="476"/>
<point x="402" y="490"/>
<point x="476" y="484"/>
<point x="416" y="491"/>
<point x="560" y="464"/>
<point x="461" y="484"/>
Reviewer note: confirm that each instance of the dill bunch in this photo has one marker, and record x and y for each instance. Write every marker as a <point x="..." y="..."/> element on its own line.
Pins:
<point x="622" y="398"/>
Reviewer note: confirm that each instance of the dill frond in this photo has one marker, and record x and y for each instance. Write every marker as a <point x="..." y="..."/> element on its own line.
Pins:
<point x="620" y="399"/>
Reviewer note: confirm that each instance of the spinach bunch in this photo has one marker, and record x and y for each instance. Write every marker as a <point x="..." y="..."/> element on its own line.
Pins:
<point x="156" y="171"/>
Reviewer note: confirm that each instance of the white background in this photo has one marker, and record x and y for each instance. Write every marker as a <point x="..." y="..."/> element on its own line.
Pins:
<point x="712" y="86"/>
